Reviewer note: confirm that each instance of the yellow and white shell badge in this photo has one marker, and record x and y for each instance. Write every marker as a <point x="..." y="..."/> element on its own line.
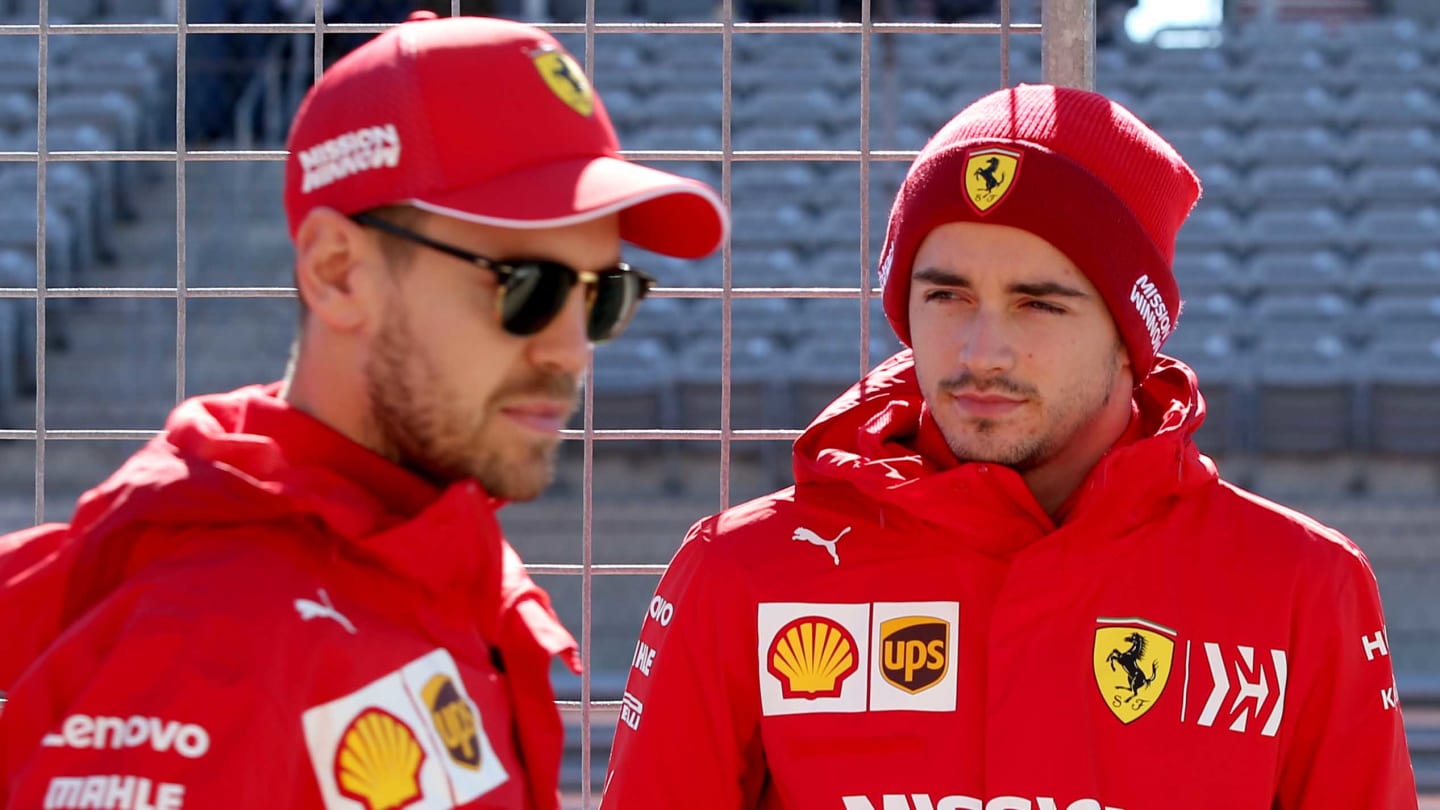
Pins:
<point x="990" y="173"/>
<point x="565" y="79"/>
<point x="1133" y="658"/>
<point x="410" y="738"/>
<point x="378" y="762"/>
<point x="813" y="657"/>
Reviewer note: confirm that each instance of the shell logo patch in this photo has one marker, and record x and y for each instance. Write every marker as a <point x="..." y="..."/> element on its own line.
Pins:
<point x="914" y="652"/>
<point x="989" y="175"/>
<point x="454" y="721"/>
<point x="565" y="79"/>
<point x="378" y="761"/>
<point x="411" y="737"/>
<point x="1133" y="659"/>
<point x="812" y="656"/>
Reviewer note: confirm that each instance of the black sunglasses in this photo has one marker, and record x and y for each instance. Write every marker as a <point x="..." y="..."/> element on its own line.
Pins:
<point x="533" y="291"/>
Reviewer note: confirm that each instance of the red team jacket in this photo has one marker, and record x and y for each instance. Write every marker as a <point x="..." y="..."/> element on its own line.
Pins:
<point x="255" y="611"/>
<point x="898" y="632"/>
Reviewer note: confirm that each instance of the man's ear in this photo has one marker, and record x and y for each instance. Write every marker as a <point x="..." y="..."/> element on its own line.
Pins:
<point x="338" y="267"/>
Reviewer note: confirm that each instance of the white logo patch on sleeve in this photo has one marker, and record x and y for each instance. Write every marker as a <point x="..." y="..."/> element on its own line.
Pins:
<point x="423" y="705"/>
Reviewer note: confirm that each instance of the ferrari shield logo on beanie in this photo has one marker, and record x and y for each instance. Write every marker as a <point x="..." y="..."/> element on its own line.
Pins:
<point x="1075" y="169"/>
<point x="989" y="173"/>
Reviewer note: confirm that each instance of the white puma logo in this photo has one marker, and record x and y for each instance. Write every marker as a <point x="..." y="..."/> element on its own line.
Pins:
<point x="804" y="535"/>
<point x="310" y="609"/>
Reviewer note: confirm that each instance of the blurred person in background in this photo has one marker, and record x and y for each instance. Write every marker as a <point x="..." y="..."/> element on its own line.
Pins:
<point x="1005" y="577"/>
<point x="298" y="594"/>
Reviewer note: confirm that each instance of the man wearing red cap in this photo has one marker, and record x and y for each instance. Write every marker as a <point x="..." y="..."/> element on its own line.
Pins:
<point x="297" y="595"/>
<point x="1005" y="578"/>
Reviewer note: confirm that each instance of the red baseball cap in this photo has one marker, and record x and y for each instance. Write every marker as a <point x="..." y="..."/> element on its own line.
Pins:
<point x="485" y="120"/>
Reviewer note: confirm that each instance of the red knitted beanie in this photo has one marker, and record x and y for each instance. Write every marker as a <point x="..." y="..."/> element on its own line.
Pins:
<point x="1072" y="167"/>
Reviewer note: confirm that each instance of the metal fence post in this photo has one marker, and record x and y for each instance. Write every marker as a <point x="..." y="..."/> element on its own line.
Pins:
<point x="1068" y="43"/>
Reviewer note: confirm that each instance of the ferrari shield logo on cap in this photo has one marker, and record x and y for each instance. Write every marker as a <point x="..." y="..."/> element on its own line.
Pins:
<point x="989" y="175"/>
<point x="565" y="79"/>
<point x="1132" y="665"/>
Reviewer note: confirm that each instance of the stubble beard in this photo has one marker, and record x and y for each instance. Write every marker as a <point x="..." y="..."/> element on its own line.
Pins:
<point x="983" y="441"/>
<point x="423" y="430"/>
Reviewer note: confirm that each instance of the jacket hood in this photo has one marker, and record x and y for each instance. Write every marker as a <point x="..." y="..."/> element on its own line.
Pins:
<point x="878" y="438"/>
<point x="247" y="458"/>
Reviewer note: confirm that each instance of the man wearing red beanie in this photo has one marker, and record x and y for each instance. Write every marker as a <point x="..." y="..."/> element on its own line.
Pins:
<point x="1005" y="578"/>
<point x="298" y="595"/>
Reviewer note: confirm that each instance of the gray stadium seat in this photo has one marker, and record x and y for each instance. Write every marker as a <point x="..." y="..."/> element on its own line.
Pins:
<point x="660" y="318"/>
<point x="71" y="190"/>
<point x="673" y="136"/>
<point x="1392" y="106"/>
<point x="1399" y="269"/>
<point x="1383" y="226"/>
<point x="1294" y="228"/>
<point x="782" y="226"/>
<point x="1301" y="271"/>
<point x="785" y="107"/>
<point x="757" y="395"/>
<point x="633" y="385"/>
<point x="1224" y="186"/>
<point x="17" y="233"/>
<point x="18" y="270"/>
<point x="693" y="108"/>
<point x="616" y="56"/>
<point x="1305" y="399"/>
<point x="768" y="137"/>
<point x="833" y="266"/>
<point x="1396" y="184"/>
<point x="1392" y="60"/>
<point x="1313" y="105"/>
<point x="75" y="11"/>
<point x="19" y="78"/>
<point x="1193" y="108"/>
<point x="17" y="111"/>
<point x="772" y="319"/>
<point x="132" y="11"/>
<point x="1303" y="145"/>
<point x="770" y="183"/>
<point x="1293" y="184"/>
<point x="1203" y="271"/>
<point x="1402" y="376"/>
<point x="1270" y="60"/>
<point x="770" y="267"/>
<point x="1204" y="144"/>
<point x="819" y="370"/>
<point x="678" y="10"/>
<point x="1210" y="227"/>
<point x="1403" y="145"/>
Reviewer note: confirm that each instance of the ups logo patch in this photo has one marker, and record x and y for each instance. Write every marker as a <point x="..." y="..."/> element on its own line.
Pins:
<point x="914" y="654"/>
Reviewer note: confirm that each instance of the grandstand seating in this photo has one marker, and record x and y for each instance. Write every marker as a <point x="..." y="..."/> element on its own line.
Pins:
<point x="1320" y="186"/>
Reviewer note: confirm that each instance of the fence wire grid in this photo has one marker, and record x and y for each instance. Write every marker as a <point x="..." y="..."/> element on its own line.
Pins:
<point x="1066" y="31"/>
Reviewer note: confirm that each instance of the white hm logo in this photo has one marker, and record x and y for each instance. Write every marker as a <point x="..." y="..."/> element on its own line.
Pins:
<point x="804" y="535"/>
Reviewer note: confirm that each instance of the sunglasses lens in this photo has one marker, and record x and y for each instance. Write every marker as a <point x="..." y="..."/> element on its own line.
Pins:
<point x="614" y="303"/>
<point x="534" y="294"/>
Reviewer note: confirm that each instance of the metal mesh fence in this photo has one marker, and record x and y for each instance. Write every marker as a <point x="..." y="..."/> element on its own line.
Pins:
<point x="289" y="55"/>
